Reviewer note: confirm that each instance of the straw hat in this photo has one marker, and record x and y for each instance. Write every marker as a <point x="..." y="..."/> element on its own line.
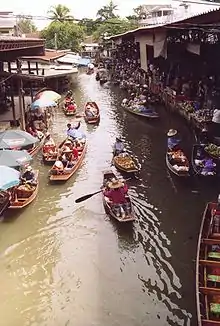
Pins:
<point x="67" y="150"/>
<point x="29" y="168"/>
<point x="68" y="141"/>
<point x="172" y="132"/>
<point x="59" y="164"/>
<point x="115" y="184"/>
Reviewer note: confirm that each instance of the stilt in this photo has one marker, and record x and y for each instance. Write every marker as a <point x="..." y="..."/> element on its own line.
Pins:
<point x="21" y="107"/>
<point x="37" y="69"/>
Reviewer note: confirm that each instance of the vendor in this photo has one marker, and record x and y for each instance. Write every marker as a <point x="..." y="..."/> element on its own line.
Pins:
<point x="172" y="140"/>
<point x="216" y="123"/>
<point x="49" y="140"/>
<point x="28" y="175"/>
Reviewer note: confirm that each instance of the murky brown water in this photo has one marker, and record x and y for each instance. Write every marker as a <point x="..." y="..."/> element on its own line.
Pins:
<point x="66" y="264"/>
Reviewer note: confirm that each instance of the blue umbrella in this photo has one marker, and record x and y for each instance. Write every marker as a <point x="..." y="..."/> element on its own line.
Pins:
<point x="42" y="103"/>
<point x="16" y="139"/>
<point x="14" y="159"/>
<point x="8" y="177"/>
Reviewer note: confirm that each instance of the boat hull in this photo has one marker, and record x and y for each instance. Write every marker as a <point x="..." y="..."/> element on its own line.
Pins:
<point x="146" y="116"/>
<point x="23" y="202"/>
<point x="67" y="176"/>
<point x="182" y="174"/>
<point x="122" y="169"/>
<point x="95" y="119"/>
<point x="207" y="270"/>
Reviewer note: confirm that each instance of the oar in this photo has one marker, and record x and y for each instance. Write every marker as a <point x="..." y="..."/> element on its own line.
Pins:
<point x="79" y="200"/>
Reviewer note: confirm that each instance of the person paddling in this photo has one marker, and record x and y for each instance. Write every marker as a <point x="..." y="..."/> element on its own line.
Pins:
<point x="117" y="196"/>
<point x="118" y="147"/>
<point x="172" y="140"/>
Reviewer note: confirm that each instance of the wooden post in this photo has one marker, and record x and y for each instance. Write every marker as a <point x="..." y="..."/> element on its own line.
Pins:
<point x="31" y="89"/>
<point x="20" y="98"/>
<point x="9" y="66"/>
<point x="13" y="105"/>
<point x="37" y="70"/>
<point x="29" y="67"/>
<point x="21" y="107"/>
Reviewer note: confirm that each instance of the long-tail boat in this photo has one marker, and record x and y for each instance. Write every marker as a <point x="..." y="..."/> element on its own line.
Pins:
<point x="208" y="267"/>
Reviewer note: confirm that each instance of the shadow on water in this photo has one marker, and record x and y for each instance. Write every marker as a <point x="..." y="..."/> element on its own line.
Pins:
<point x="73" y="265"/>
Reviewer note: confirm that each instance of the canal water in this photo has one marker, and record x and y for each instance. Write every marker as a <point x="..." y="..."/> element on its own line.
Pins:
<point x="63" y="263"/>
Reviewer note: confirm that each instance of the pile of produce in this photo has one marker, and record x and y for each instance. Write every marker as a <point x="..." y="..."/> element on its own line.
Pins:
<point x="187" y="106"/>
<point x="213" y="150"/>
<point x="203" y="115"/>
<point x="126" y="162"/>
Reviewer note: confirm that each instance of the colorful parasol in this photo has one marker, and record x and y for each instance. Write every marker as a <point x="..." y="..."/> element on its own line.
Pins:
<point x="42" y="103"/>
<point x="48" y="95"/>
<point x="14" y="159"/>
<point x="16" y="139"/>
<point x="8" y="177"/>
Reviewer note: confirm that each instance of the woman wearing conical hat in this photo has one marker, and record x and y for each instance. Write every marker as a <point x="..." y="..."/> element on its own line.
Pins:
<point x="172" y="140"/>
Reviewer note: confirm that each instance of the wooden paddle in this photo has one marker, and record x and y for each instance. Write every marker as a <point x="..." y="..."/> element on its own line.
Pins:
<point x="79" y="200"/>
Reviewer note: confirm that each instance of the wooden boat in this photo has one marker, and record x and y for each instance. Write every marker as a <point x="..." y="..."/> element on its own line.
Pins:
<point x="208" y="268"/>
<point x="103" y="81"/>
<point x="36" y="147"/>
<point x="67" y="174"/>
<point x="198" y="169"/>
<point x="4" y="201"/>
<point x="96" y="118"/>
<point x="49" y="153"/>
<point x="147" y="115"/>
<point x="90" y="71"/>
<point x="69" y="112"/>
<point x="125" y="163"/>
<point x="171" y="167"/>
<point x="22" y="198"/>
<point x="107" y="176"/>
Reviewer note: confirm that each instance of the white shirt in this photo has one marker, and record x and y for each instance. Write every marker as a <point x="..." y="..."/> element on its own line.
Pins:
<point x="216" y="116"/>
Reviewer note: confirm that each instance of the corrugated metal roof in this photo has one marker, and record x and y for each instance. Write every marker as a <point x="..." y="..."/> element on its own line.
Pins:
<point x="165" y="24"/>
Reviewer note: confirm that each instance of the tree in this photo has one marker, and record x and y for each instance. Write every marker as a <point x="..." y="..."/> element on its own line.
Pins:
<point x="113" y="26"/>
<point x="26" y="26"/>
<point x="107" y="12"/>
<point x="59" y="13"/>
<point x="68" y="35"/>
<point x="140" y="11"/>
<point x="89" y="25"/>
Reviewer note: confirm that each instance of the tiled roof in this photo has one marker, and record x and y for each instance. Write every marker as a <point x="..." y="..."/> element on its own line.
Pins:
<point x="49" y="55"/>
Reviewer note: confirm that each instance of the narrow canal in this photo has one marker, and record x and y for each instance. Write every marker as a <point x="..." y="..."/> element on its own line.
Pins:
<point x="67" y="264"/>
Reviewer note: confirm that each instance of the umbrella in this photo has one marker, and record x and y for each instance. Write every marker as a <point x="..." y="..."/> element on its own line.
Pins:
<point x="42" y="103"/>
<point x="8" y="178"/>
<point x="14" y="159"/>
<point x="13" y="139"/>
<point x="48" y="95"/>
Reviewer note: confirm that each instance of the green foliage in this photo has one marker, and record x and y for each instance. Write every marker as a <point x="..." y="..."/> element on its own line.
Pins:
<point x="89" y="25"/>
<point x="107" y="12"/>
<point x="68" y="35"/>
<point x="59" y="13"/>
<point x="114" y="26"/>
<point x="26" y="26"/>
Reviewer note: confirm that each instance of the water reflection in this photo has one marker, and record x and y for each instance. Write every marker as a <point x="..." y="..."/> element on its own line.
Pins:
<point x="68" y="264"/>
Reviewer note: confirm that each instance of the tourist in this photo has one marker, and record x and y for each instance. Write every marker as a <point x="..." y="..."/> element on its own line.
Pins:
<point x="117" y="195"/>
<point x="58" y="166"/>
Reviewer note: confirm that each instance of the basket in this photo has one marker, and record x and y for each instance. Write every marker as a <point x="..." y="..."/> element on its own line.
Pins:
<point x="24" y="193"/>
